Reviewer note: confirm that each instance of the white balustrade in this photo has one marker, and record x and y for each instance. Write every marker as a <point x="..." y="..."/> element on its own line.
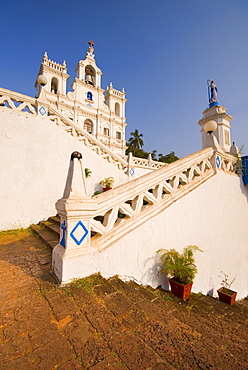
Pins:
<point x="126" y="207"/>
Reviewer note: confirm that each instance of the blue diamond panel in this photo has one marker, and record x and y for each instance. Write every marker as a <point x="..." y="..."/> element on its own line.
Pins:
<point x="218" y="162"/>
<point x="131" y="171"/>
<point x="81" y="229"/>
<point x="42" y="111"/>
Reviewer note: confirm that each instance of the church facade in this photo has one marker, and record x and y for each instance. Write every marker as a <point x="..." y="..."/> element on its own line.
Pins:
<point x="100" y="112"/>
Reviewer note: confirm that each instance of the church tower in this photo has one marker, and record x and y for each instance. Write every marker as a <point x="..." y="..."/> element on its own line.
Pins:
<point x="216" y="112"/>
<point x="55" y="77"/>
<point x="101" y="113"/>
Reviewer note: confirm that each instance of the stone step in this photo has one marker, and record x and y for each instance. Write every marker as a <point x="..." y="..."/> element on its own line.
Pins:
<point x="55" y="219"/>
<point x="145" y="301"/>
<point x="47" y="235"/>
<point x="168" y="325"/>
<point x="51" y="226"/>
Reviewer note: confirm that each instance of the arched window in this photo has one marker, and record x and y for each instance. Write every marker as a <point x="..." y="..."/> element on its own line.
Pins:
<point x="117" y="109"/>
<point x="54" y="85"/>
<point x="88" y="126"/>
<point x="89" y="95"/>
<point x="90" y="75"/>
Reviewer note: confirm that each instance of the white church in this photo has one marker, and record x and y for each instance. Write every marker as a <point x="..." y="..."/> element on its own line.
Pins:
<point x="48" y="140"/>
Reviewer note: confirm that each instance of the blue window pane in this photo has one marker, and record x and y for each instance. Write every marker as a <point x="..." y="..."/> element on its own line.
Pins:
<point x="89" y="96"/>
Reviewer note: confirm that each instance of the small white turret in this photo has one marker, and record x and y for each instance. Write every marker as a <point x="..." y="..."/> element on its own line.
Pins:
<point x="55" y="74"/>
<point x="216" y="113"/>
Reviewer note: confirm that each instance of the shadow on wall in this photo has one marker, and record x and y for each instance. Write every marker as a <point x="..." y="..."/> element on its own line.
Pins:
<point x="156" y="279"/>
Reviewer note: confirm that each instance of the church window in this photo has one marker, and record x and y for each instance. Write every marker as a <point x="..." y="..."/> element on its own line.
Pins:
<point x="117" y="109"/>
<point x="106" y="131"/>
<point x="118" y="135"/>
<point x="88" y="126"/>
<point x="89" y="95"/>
<point x="54" y="85"/>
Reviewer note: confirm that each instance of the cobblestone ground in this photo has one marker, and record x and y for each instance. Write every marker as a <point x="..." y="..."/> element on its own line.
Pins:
<point x="107" y="324"/>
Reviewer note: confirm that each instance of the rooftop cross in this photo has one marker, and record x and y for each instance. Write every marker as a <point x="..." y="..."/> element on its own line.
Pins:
<point x="91" y="43"/>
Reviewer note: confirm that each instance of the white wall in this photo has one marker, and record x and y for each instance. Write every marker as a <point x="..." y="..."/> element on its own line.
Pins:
<point x="214" y="217"/>
<point x="34" y="161"/>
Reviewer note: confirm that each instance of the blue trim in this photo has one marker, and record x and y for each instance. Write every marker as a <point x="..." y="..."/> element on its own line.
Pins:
<point x="245" y="169"/>
<point x="86" y="232"/>
<point x="42" y="111"/>
<point x="213" y="104"/>
<point x="63" y="227"/>
<point x="131" y="171"/>
<point x="218" y="162"/>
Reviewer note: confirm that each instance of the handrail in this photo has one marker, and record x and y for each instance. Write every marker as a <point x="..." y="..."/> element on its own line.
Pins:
<point x="127" y="206"/>
<point x="145" y="163"/>
<point x="86" y="138"/>
<point x="29" y="105"/>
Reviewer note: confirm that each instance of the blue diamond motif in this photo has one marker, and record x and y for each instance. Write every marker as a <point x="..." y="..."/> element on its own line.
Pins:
<point x="84" y="230"/>
<point x="42" y="111"/>
<point x="218" y="162"/>
<point x="131" y="171"/>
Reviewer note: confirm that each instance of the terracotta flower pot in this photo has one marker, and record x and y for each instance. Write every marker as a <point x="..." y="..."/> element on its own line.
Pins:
<point x="106" y="189"/>
<point x="227" y="295"/>
<point x="180" y="290"/>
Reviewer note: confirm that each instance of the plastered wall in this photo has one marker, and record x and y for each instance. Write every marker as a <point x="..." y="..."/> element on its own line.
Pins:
<point x="214" y="217"/>
<point x="34" y="161"/>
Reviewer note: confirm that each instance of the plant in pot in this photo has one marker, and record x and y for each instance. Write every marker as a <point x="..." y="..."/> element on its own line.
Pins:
<point x="181" y="269"/>
<point x="225" y="293"/>
<point x="87" y="172"/>
<point x="107" y="183"/>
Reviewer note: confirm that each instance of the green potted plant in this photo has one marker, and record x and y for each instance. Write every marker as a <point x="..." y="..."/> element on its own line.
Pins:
<point x="87" y="172"/>
<point x="107" y="183"/>
<point x="225" y="293"/>
<point x="181" y="269"/>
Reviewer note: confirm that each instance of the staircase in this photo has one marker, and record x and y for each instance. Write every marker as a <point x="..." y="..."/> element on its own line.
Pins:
<point x="145" y="328"/>
<point x="48" y="231"/>
<point x="97" y="323"/>
<point x="152" y="329"/>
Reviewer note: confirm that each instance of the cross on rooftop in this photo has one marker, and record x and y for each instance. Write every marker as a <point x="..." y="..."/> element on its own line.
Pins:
<point x="91" y="43"/>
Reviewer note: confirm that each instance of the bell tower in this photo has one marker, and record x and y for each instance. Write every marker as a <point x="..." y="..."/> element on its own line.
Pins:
<point x="87" y="70"/>
<point x="216" y="112"/>
<point x="55" y="74"/>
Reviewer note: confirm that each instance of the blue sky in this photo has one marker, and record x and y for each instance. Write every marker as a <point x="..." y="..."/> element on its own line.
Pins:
<point x="162" y="52"/>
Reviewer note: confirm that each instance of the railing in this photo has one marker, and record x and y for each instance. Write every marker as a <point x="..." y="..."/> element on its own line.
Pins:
<point x="126" y="207"/>
<point x="226" y="162"/>
<point x="26" y="104"/>
<point x="145" y="163"/>
<point x="86" y="138"/>
<point x="18" y="102"/>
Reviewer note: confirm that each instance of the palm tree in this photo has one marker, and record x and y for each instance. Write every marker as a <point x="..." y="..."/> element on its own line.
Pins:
<point x="154" y="154"/>
<point x="136" y="141"/>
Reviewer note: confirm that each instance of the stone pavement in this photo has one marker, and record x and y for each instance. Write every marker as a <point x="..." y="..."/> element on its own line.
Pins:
<point x="107" y="324"/>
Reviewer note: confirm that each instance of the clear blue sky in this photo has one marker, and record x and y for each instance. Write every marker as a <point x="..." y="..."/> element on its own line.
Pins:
<point x="162" y="52"/>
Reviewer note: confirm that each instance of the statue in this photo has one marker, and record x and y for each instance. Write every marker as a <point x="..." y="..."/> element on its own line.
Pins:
<point x="212" y="91"/>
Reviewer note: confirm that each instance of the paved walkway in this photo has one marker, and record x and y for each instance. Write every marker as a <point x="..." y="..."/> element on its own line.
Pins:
<point x="98" y="324"/>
